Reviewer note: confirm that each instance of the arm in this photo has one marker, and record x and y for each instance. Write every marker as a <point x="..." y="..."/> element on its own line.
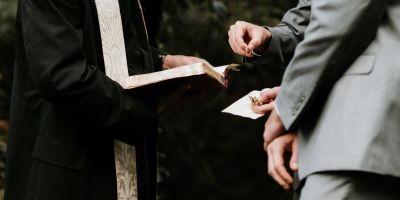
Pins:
<point x="53" y="37"/>
<point x="338" y="33"/>
<point x="276" y="44"/>
<point x="286" y="36"/>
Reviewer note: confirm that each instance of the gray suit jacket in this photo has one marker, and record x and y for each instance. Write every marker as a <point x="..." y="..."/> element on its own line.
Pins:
<point x="340" y="89"/>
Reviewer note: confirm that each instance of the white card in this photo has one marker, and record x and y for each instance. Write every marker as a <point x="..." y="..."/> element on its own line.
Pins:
<point x="242" y="107"/>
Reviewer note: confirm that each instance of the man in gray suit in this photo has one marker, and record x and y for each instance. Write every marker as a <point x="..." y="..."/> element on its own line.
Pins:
<point x="277" y="45"/>
<point x="338" y="93"/>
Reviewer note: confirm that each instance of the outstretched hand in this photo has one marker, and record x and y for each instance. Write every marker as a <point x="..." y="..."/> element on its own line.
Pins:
<point x="245" y="37"/>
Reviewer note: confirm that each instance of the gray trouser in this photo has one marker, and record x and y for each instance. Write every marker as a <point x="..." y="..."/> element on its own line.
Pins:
<point x="349" y="186"/>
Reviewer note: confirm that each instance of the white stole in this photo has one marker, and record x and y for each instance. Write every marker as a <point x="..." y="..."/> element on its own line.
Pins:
<point x="116" y="67"/>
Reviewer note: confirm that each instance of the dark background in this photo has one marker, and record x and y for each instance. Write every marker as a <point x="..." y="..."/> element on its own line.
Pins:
<point x="204" y="154"/>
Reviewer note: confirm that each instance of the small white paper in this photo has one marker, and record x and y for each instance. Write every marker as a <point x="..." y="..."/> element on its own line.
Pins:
<point x="242" y="107"/>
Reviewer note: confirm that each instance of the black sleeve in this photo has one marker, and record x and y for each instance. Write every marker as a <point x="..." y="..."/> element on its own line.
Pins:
<point x="53" y="38"/>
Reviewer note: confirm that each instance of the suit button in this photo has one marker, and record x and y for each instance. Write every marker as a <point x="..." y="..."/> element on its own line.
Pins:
<point x="302" y="98"/>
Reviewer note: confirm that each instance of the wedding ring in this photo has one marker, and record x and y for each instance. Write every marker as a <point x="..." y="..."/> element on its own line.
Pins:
<point x="254" y="53"/>
<point x="253" y="99"/>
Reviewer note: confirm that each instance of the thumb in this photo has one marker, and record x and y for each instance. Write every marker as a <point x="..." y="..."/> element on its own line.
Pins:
<point x="293" y="163"/>
<point x="254" y="44"/>
<point x="256" y="40"/>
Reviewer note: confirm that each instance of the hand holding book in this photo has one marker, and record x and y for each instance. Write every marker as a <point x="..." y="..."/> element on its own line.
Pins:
<point x="201" y="76"/>
<point x="173" y="61"/>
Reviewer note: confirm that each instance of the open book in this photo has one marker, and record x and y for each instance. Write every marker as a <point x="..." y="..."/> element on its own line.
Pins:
<point x="200" y="76"/>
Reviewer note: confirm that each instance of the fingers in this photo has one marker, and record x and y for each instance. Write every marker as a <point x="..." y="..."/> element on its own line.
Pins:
<point x="278" y="159"/>
<point x="256" y="40"/>
<point x="275" y="175"/>
<point x="236" y="40"/>
<point x="268" y="94"/>
<point x="245" y="37"/>
<point x="276" y="162"/>
<point x="172" y="61"/>
<point x="187" y="60"/>
<point x="263" y="108"/>
<point x="240" y="34"/>
<point x="206" y="63"/>
<point x="293" y="163"/>
<point x="265" y="103"/>
<point x="276" y="167"/>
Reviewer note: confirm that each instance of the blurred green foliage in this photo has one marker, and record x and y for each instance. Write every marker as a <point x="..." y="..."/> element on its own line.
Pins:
<point x="207" y="154"/>
<point x="204" y="154"/>
<point x="7" y="20"/>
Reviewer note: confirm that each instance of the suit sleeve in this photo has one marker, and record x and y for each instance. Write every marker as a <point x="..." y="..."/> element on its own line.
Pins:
<point x="286" y="35"/>
<point x="53" y="38"/>
<point x="339" y="31"/>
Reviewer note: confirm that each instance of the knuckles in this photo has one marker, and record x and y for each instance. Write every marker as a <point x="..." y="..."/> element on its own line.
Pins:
<point x="239" y="22"/>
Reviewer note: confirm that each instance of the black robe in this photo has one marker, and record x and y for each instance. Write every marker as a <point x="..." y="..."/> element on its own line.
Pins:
<point x="66" y="112"/>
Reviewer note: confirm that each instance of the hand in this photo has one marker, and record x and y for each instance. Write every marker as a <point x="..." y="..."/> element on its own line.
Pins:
<point x="266" y="102"/>
<point x="245" y="37"/>
<point x="273" y="128"/>
<point x="172" y="61"/>
<point x="276" y="162"/>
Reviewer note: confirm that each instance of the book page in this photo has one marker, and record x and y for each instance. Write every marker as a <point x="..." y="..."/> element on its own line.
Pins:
<point x="223" y="70"/>
<point x="184" y="71"/>
<point x="220" y="69"/>
<point x="242" y="107"/>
